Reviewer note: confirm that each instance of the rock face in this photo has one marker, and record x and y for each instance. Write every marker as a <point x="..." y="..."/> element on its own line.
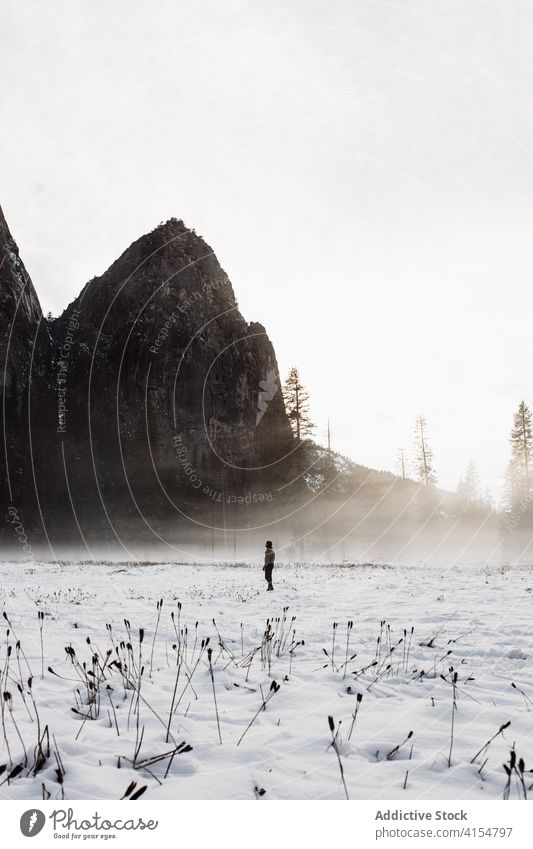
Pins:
<point x="159" y="406"/>
<point x="22" y="338"/>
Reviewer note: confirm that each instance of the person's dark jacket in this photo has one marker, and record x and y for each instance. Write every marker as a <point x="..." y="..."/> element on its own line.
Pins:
<point x="270" y="556"/>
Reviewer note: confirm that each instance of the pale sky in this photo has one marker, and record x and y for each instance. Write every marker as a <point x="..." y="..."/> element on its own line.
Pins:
<point x="362" y="169"/>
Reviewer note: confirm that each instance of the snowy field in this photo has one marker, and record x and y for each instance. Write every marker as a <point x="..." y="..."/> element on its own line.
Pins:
<point x="94" y="724"/>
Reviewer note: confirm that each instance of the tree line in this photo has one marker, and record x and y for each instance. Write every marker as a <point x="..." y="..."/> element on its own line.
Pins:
<point x="518" y="489"/>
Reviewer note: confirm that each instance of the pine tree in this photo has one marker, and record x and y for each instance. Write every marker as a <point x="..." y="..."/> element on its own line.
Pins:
<point x="510" y="487"/>
<point x="488" y="498"/>
<point x="296" y="398"/>
<point x="423" y="462"/>
<point x="521" y="441"/>
<point x="469" y="487"/>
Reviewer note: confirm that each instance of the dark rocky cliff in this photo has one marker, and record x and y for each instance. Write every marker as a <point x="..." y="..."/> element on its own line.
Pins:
<point x="23" y="337"/>
<point x="148" y="404"/>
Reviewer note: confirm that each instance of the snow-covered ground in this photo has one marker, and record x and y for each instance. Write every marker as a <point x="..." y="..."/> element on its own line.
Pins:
<point x="477" y="621"/>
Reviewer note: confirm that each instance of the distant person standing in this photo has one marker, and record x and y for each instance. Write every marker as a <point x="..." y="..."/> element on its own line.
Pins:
<point x="270" y="556"/>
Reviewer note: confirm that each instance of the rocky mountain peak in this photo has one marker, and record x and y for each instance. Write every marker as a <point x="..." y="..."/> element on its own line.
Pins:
<point x="167" y="272"/>
<point x="16" y="289"/>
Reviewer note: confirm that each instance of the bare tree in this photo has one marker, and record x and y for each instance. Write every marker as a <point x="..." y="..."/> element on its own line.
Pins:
<point x="400" y="463"/>
<point x="423" y="462"/>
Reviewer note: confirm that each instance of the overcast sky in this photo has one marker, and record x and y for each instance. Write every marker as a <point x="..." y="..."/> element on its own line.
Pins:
<point x="362" y="169"/>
